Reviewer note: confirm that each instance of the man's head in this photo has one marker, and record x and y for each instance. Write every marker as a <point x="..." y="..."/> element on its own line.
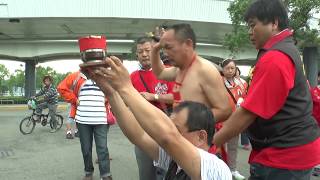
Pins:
<point x="195" y="122"/>
<point x="179" y="41"/>
<point x="144" y="45"/>
<point x="47" y="80"/>
<point x="265" y="18"/>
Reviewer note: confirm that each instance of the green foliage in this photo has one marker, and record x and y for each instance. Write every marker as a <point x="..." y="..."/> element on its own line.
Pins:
<point x="17" y="79"/>
<point x="4" y="73"/>
<point x="300" y="12"/>
<point x="41" y="72"/>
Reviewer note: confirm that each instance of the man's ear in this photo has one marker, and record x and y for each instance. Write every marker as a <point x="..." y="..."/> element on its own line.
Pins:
<point x="203" y="137"/>
<point x="189" y="43"/>
<point x="275" y="25"/>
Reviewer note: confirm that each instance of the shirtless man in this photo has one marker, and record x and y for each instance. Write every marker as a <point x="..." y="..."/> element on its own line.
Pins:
<point x="196" y="79"/>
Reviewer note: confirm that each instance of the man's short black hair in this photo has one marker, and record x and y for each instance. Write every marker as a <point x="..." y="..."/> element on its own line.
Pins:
<point x="184" y="32"/>
<point x="142" y="40"/>
<point x="200" y="117"/>
<point x="268" y="11"/>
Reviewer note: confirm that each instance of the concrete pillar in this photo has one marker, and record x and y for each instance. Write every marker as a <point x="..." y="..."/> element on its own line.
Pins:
<point x="310" y="60"/>
<point x="30" y="78"/>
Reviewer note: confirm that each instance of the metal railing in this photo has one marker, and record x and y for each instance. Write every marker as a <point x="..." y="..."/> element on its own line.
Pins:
<point x="6" y="101"/>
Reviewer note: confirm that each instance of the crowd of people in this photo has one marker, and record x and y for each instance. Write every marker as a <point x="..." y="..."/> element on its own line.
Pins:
<point x="185" y="115"/>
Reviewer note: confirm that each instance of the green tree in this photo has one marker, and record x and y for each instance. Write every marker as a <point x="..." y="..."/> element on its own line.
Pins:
<point x="300" y="12"/>
<point x="16" y="80"/>
<point x="4" y="73"/>
<point x="41" y="72"/>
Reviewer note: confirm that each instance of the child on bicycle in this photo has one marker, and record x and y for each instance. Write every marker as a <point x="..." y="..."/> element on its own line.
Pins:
<point x="48" y="96"/>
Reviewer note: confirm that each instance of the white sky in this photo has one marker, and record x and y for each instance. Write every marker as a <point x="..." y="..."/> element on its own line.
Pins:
<point x="64" y="66"/>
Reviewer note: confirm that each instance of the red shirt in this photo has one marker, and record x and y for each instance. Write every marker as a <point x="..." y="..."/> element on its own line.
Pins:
<point x="315" y="93"/>
<point x="273" y="78"/>
<point x="154" y="85"/>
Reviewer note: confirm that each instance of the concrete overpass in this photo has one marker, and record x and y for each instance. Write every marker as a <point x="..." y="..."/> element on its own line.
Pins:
<point x="34" y="31"/>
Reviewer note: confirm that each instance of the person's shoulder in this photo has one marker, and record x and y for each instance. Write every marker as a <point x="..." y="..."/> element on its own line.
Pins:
<point x="208" y="71"/>
<point x="134" y="73"/>
<point x="275" y="57"/>
<point x="206" y="65"/>
<point x="212" y="166"/>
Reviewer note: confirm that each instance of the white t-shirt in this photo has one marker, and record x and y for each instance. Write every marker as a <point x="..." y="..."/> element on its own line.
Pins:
<point x="91" y="108"/>
<point x="212" y="168"/>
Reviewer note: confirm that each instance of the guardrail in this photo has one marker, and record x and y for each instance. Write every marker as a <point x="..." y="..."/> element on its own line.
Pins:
<point x="6" y="101"/>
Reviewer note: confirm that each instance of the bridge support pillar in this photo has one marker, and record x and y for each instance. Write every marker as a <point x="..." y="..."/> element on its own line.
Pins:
<point x="30" y="78"/>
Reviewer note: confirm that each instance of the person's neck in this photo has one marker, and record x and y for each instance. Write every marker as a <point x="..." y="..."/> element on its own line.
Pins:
<point x="230" y="79"/>
<point x="188" y="60"/>
<point x="205" y="148"/>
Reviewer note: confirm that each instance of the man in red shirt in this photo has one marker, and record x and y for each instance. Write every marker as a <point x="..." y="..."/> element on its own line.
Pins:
<point x="278" y="107"/>
<point x="157" y="92"/>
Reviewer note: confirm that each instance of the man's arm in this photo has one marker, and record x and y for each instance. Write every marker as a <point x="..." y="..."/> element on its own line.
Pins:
<point x="168" y="74"/>
<point x="238" y="122"/>
<point x="163" y="131"/>
<point x="215" y="91"/>
<point x="151" y="119"/>
<point x="52" y="91"/>
<point x="40" y="93"/>
<point x="131" y="128"/>
<point x="64" y="88"/>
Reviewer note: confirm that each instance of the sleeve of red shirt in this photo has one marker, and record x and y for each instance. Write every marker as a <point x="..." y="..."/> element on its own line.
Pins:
<point x="273" y="78"/>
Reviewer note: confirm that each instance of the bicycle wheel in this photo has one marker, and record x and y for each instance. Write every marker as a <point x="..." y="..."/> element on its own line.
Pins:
<point x="27" y="125"/>
<point x="58" y="124"/>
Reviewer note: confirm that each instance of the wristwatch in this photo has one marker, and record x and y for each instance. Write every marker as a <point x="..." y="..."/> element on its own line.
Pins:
<point x="156" y="96"/>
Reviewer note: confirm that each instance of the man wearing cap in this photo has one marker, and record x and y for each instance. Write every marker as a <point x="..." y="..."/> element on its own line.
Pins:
<point x="157" y="92"/>
<point x="90" y="109"/>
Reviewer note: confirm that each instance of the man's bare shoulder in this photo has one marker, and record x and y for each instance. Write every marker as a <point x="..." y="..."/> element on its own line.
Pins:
<point x="207" y="66"/>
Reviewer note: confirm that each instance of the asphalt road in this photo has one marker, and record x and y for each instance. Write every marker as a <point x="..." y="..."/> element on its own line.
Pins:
<point x="49" y="156"/>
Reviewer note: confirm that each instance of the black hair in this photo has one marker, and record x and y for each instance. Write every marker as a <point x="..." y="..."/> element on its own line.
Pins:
<point x="47" y="77"/>
<point x="226" y="62"/>
<point x="184" y="32"/>
<point x="318" y="73"/>
<point x="238" y="69"/>
<point x="144" y="39"/>
<point x="200" y="117"/>
<point x="268" y="11"/>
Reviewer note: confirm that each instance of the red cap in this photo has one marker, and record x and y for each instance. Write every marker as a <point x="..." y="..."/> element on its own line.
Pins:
<point x="92" y="42"/>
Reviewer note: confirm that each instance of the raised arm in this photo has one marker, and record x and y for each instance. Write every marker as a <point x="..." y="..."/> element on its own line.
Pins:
<point x="168" y="74"/>
<point x="215" y="91"/>
<point x="125" y="119"/>
<point x="154" y="122"/>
